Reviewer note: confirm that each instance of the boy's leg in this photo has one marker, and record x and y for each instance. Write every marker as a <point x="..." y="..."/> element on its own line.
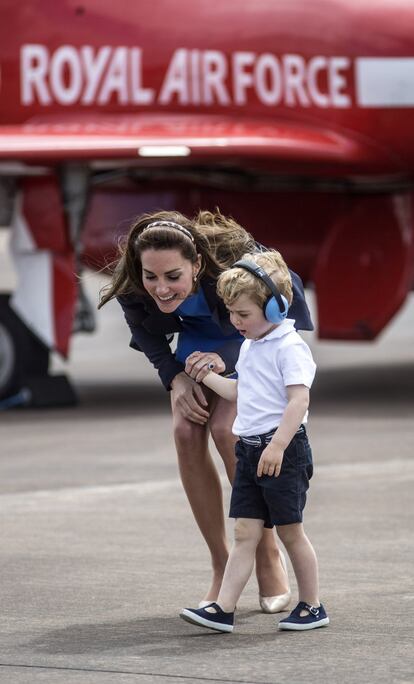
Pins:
<point x="304" y="561"/>
<point x="247" y="535"/>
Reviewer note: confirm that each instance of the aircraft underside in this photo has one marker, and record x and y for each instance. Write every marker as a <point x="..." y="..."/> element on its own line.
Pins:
<point x="350" y="240"/>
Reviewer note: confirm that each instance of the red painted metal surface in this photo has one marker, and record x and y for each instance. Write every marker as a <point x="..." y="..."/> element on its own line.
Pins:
<point x="365" y="267"/>
<point x="67" y="69"/>
<point x="42" y="211"/>
<point x="294" y="117"/>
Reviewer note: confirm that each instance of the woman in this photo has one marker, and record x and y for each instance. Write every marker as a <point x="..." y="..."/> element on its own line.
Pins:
<point x="165" y="281"/>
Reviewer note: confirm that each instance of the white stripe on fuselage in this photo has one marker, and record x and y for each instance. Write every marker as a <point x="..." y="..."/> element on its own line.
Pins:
<point x="384" y="81"/>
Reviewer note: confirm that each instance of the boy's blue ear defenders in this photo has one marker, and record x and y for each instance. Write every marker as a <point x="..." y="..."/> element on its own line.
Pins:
<point x="276" y="306"/>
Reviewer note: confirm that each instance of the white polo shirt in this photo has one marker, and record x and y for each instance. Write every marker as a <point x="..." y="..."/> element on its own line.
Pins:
<point x="265" y="368"/>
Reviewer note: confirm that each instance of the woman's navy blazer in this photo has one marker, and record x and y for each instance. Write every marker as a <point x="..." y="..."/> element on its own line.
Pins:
<point x="150" y="327"/>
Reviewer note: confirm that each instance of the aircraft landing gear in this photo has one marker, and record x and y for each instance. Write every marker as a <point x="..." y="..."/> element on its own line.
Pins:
<point x="48" y="301"/>
<point x="24" y="364"/>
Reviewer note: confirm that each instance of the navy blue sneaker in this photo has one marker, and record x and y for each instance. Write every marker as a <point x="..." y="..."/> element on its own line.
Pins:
<point x="315" y="617"/>
<point x="219" y="621"/>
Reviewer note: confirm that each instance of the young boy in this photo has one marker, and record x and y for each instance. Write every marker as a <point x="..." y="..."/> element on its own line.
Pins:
<point x="275" y="371"/>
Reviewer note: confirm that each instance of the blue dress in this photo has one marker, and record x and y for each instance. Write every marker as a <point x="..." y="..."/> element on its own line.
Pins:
<point x="200" y="332"/>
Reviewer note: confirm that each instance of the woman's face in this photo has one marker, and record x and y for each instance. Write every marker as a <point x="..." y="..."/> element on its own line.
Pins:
<point x="168" y="276"/>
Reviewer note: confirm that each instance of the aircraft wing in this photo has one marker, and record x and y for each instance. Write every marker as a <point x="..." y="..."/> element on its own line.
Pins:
<point x="201" y="138"/>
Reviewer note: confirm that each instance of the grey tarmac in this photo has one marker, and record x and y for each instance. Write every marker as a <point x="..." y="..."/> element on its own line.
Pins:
<point x="99" y="551"/>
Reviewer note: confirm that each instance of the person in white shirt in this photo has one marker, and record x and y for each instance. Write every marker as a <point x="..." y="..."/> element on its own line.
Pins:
<point x="274" y="459"/>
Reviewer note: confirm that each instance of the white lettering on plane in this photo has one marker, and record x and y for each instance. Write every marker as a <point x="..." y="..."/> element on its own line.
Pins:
<point x="96" y="76"/>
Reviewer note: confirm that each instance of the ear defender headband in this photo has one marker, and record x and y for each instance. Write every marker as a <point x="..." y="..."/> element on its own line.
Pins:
<point x="276" y="306"/>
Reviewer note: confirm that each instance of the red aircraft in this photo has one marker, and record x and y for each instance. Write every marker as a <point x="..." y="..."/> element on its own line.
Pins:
<point x="297" y="118"/>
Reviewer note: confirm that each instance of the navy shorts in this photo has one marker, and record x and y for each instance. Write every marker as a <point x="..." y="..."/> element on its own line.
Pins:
<point x="276" y="500"/>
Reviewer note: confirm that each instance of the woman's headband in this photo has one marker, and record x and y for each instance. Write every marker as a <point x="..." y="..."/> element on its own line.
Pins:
<point x="169" y="224"/>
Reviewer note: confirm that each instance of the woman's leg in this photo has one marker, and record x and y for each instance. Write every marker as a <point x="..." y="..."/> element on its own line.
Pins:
<point x="304" y="561"/>
<point x="271" y="576"/>
<point x="203" y="488"/>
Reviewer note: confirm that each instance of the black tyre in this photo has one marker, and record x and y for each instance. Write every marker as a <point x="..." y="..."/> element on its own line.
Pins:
<point x="22" y="355"/>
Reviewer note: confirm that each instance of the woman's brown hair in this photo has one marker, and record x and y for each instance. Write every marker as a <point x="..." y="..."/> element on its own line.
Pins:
<point x="219" y="240"/>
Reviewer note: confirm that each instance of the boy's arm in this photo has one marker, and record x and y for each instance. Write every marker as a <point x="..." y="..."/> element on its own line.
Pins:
<point x="298" y="403"/>
<point x="225" y="387"/>
<point x="271" y="459"/>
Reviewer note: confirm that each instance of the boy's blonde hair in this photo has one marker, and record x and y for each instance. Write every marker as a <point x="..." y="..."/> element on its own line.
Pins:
<point x="237" y="281"/>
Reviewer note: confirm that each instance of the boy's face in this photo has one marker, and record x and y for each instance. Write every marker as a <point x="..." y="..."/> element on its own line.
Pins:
<point x="248" y="318"/>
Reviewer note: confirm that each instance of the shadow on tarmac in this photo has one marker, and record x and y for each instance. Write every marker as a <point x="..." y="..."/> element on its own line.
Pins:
<point x="101" y="400"/>
<point x="156" y="636"/>
<point x="145" y="398"/>
<point x="349" y="390"/>
<point x="352" y="389"/>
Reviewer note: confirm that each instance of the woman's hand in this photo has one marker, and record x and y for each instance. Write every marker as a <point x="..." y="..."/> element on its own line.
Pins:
<point x="198" y="364"/>
<point x="189" y="399"/>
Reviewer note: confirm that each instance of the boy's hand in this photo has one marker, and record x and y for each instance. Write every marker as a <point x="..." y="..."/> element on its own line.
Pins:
<point x="270" y="461"/>
<point x="198" y="364"/>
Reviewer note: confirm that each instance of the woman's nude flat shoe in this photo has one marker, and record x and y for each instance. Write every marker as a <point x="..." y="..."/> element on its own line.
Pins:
<point x="278" y="603"/>
<point x="275" y="604"/>
<point x="268" y="604"/>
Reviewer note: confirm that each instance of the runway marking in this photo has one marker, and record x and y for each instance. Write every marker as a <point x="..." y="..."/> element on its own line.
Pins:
<point x="74" y="494"/>
<point x="399" y="468"/>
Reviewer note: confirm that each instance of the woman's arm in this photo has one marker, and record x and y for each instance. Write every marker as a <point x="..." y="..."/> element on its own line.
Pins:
<point x="188" y="396"/>
<point x="155" y="346"/>
<point x="299" y="309"/>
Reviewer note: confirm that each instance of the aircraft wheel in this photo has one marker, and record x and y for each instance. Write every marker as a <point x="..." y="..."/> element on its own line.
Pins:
<point x="22" y="355"/>
<point x="24" y="367"/>
<point x="8" y="366"/>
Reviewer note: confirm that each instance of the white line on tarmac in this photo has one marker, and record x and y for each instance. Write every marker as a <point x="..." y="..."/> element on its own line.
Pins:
<point x="76" y="494"/>
<point x="399" y="468"/>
